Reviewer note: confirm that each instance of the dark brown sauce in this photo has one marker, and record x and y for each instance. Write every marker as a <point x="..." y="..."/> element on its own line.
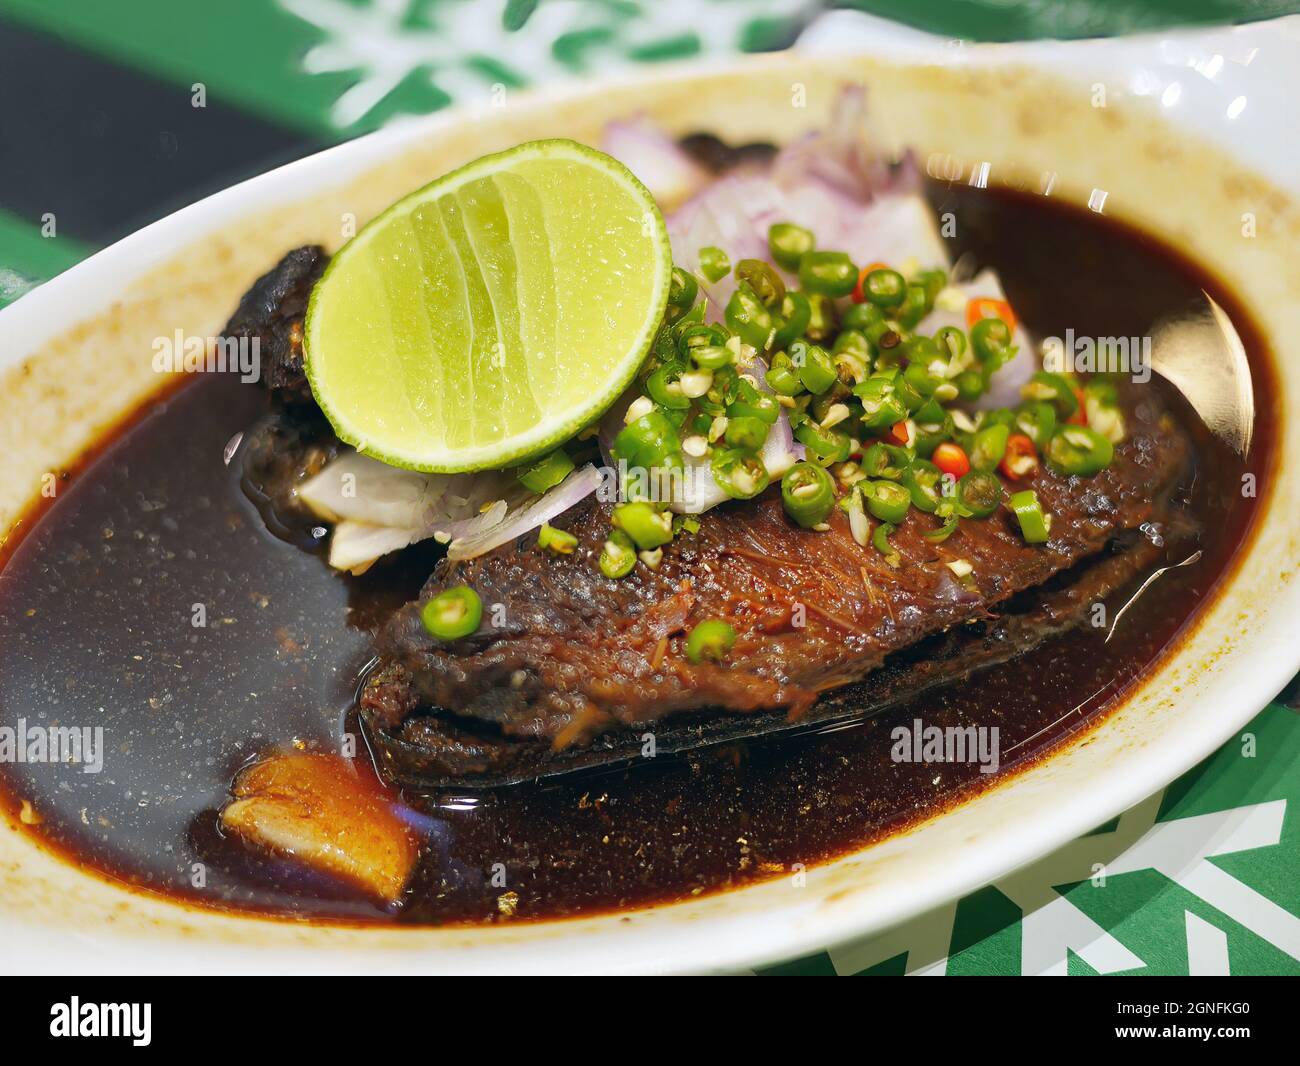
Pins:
<point x="97" y="597"/>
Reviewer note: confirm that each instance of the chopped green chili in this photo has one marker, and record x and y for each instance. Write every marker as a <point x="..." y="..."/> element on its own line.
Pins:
<point x="1051" y="388"/>
<point x="886" y="500"/>
<point x="557" y="540"/>
<point x="885" y="461"/>
<point x="827" y="445"/>
<point x="949" y="527"/>
<point x="647" y="441"/>
<point x="711" y="639"/>
<point x="916" y="305"/>
<point x="827" y="273"/>
<point x="750" y="403"/>
<point x="741" y="475"/>
<point x="808" y="494"/>
<point x="822" y="316"/>
<point x="783" y="376"/>
<point x="1036" y="419"/>
<point x="765" y="281"/>
<point x="746" y="432"/>
<point x="971" y="385"/>
<point x="792" y="319"/>
<point x="922" y="480"/>
<point x="682" y="289"/>
<point x="1079" y="450"/>
<point x="1035" y="526"/>
<point x="862" y="316"/>
<point x="882" y="403"/>
<point x="646" y="526"/>
<point x="880" y="540"/>
<point x="546" y="472"/>
<point x="988" y="447"/>
<point x="715" y="264"/>
<point x="789" y="243"/>
<point x="749" y="317"/>
<point x="933" y="281"/>
<point x="884" y="288"/>
<point x="980" y="492"/>
<point x="453" y="613"/>
<point x="951" y="342"/>
<point x="990" y="338"/>
<point x="664" y="386"/>
<point x="618" y="556"/>
<point x="815" y="366"/>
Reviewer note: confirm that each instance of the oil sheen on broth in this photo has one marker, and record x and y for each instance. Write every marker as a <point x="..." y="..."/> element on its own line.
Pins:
<point x="101" y="591"/>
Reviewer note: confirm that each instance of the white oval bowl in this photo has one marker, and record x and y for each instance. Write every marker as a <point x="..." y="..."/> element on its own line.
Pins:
<point x="76" y="355"/>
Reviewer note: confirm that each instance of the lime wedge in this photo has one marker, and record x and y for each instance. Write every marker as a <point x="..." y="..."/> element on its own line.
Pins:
<point x="493" y="313"/>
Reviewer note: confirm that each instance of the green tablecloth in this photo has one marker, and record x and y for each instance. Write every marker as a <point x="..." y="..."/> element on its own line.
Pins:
<point x="100" y="137"/>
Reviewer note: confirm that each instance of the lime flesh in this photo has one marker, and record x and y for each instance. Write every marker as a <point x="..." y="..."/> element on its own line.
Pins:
<point x="491" y="314"/>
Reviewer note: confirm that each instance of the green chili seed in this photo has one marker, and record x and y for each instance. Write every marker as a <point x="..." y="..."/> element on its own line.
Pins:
<point x="1035" y="526"/>
<point x="546" y="472"/>
<point x="827" y="273"/>
<point x="884" y="288"/>
<point x="557" y="540"/>
<point x="1079" y="450"/>
<point x="646" y="526"/>
<point x="711" y="639"/>
<point x="789" y="243"/>
<point x="886" y="500"/>
<point x="980" y="492"/>
<point x="808" y="494"/>
<point x="618" y="555"/>
<point x="715" y="264"/>
<point x="453" y="613"/>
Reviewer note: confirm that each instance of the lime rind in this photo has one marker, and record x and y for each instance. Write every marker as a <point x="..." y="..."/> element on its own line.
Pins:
<point x="434" y="400"/>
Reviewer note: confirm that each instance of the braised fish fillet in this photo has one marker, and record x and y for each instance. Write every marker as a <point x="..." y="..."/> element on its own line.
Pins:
<point x="574" y="654"/>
